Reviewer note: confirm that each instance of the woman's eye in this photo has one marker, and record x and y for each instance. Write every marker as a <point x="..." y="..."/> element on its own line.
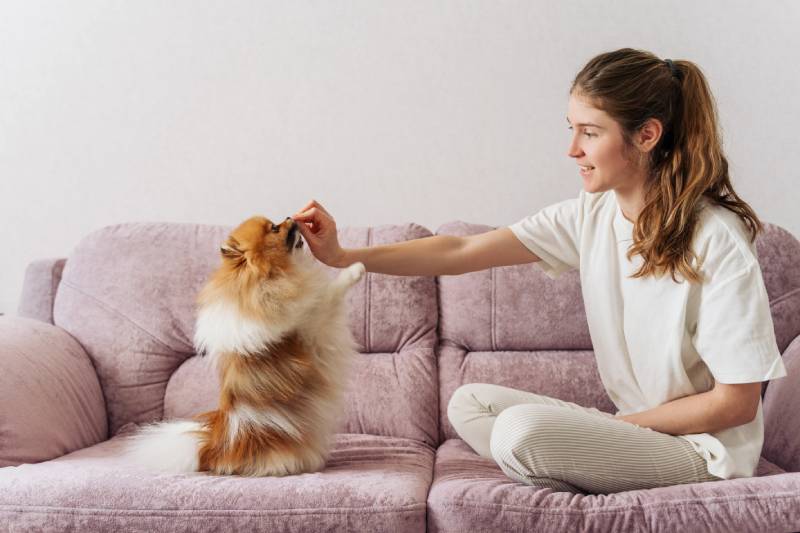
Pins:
<point x="585" y="133"/>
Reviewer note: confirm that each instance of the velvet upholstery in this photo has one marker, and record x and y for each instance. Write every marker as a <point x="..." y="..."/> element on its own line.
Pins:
<point x="370" y="483"/>
<point x="125" y="299"/>
<point x="39" y="289"/>
<point x="779" y="258"/>
<point x="470" y="490"/>
<point x="782" y="413"/>
<point x="50" y="399"/>
<point x="128" y="292"/>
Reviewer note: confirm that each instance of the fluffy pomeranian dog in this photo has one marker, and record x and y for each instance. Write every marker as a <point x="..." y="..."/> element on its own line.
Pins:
<point x="274" y="324"/>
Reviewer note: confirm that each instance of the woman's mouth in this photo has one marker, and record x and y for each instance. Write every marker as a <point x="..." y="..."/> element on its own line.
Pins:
<point x="585" y="171"/>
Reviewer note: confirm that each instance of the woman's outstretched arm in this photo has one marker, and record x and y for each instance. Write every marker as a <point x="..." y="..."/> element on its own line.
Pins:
<point x="429" y="256"/>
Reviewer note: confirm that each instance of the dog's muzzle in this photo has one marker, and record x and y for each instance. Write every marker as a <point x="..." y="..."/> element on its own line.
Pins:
<point x="293" y="238"/>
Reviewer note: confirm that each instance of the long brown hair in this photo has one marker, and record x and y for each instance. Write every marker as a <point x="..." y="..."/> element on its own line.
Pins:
<point x="686" y="165"/>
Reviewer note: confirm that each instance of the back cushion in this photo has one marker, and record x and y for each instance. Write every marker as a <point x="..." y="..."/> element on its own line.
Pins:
<point x="128" y="296"/>
<point x="516" y="327"/>
<point x="779" y="258"/>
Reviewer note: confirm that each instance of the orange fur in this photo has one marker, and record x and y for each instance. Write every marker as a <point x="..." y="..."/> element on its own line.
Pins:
<point x="283" y="375"/>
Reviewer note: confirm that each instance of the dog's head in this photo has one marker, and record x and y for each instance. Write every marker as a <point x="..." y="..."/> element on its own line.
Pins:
<point x="261" y="246"/>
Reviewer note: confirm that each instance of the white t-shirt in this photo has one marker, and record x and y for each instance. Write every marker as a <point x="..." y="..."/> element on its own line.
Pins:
<point x="656" y="340"/>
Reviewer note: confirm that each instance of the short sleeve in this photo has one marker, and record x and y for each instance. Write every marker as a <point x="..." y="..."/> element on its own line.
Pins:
<point x="553" y="235"/>
<point x="734" y="333"/>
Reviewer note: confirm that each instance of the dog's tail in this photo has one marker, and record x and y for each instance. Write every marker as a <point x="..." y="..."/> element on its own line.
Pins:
<point x="171" y="447"/>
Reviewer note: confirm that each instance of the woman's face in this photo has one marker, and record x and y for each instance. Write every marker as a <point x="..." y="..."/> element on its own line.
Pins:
<point x="597" y="142"/>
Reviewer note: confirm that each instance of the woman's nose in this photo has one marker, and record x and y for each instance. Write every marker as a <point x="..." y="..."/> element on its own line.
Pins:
<point x="573" y="150"/>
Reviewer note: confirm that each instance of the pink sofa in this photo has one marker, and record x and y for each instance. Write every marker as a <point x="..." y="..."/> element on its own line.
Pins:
<point x="103" y="343"/>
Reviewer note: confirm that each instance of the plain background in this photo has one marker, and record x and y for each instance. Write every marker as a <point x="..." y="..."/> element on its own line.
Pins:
<point x="386" y="112"/>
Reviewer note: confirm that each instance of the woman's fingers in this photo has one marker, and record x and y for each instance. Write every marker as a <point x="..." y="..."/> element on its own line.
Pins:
<point x="318" y="228"/>
<point x="314" y="220"/>
<point x="308" y="206"/>
<point x="312" y="204"/>
<point x="315" y="225"/>
<point x="304" y="230"/>
<point x="321" y="208"/>
<point x="309" y="215"/>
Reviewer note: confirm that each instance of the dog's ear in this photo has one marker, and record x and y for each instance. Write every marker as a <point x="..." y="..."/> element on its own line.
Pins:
<point x="230" y="252"/>
<point x="231" y="249"/>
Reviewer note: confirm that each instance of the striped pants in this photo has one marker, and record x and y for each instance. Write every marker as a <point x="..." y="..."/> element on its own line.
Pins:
<point x="547" y="442"/>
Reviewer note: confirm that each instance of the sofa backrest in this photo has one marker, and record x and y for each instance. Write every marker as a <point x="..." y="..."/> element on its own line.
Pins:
<point x="127" y="294"/>
<point x="779" y="258"/>
<point x="516" y="327"/>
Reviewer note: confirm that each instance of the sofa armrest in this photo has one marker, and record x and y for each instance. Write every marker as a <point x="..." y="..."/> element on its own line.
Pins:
<point x="781" y="407"/>
<point x="50" y="398"/>
<point x="39" y="289"/>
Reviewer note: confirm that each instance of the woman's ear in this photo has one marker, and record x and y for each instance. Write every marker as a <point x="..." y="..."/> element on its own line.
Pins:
<point x="649" y="134"/>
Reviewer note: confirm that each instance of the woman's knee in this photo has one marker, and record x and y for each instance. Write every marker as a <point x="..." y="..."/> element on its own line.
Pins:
<point x="462" y="402"/>
<point x="522" y="430"/>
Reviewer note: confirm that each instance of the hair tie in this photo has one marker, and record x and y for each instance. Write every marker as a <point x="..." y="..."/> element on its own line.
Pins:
<point x="673" y="68"/>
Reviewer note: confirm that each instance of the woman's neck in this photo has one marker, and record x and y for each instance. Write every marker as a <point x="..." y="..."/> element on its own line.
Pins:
<point x="631" y="202"/>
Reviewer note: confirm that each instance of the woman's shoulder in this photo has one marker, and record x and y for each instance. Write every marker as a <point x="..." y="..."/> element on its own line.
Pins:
<point x="722" y="241"/>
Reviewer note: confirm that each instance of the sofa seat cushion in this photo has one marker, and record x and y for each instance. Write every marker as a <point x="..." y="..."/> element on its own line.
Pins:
<point x="371" y="483"/>
<point x="469" y="489"/>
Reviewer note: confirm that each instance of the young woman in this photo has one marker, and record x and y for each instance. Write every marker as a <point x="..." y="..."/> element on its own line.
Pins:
<point x="674" y="297"/>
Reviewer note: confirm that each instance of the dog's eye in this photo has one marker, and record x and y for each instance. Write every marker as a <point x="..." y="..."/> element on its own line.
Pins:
<point x="275" y="229"/>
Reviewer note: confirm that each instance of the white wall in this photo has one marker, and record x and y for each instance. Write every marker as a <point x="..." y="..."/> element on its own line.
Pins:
<point x="386" y="112"/>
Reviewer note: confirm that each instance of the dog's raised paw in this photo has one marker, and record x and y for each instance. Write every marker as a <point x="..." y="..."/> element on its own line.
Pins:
<point x="355" y="272"/>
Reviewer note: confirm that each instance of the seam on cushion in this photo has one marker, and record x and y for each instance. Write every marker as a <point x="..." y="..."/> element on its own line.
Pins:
<point x="205" y="513"/>
<point x="52" y="295"/>
<point x="107" y="307"/>
<point x="53" y="287"/>
<point x="485" y="352"/>
<point x="786" y="296"/>
<point x="542" y="510"/>
<point x="437" y="354"/>
<point x="639" y="507"/>
<point x="367" y="287"/>
<point x="394" y="356"/>
<point x="493" y="317"/>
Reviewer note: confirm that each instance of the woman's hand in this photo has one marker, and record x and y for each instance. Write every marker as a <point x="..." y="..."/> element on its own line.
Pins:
<point x="318" y="228"/>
